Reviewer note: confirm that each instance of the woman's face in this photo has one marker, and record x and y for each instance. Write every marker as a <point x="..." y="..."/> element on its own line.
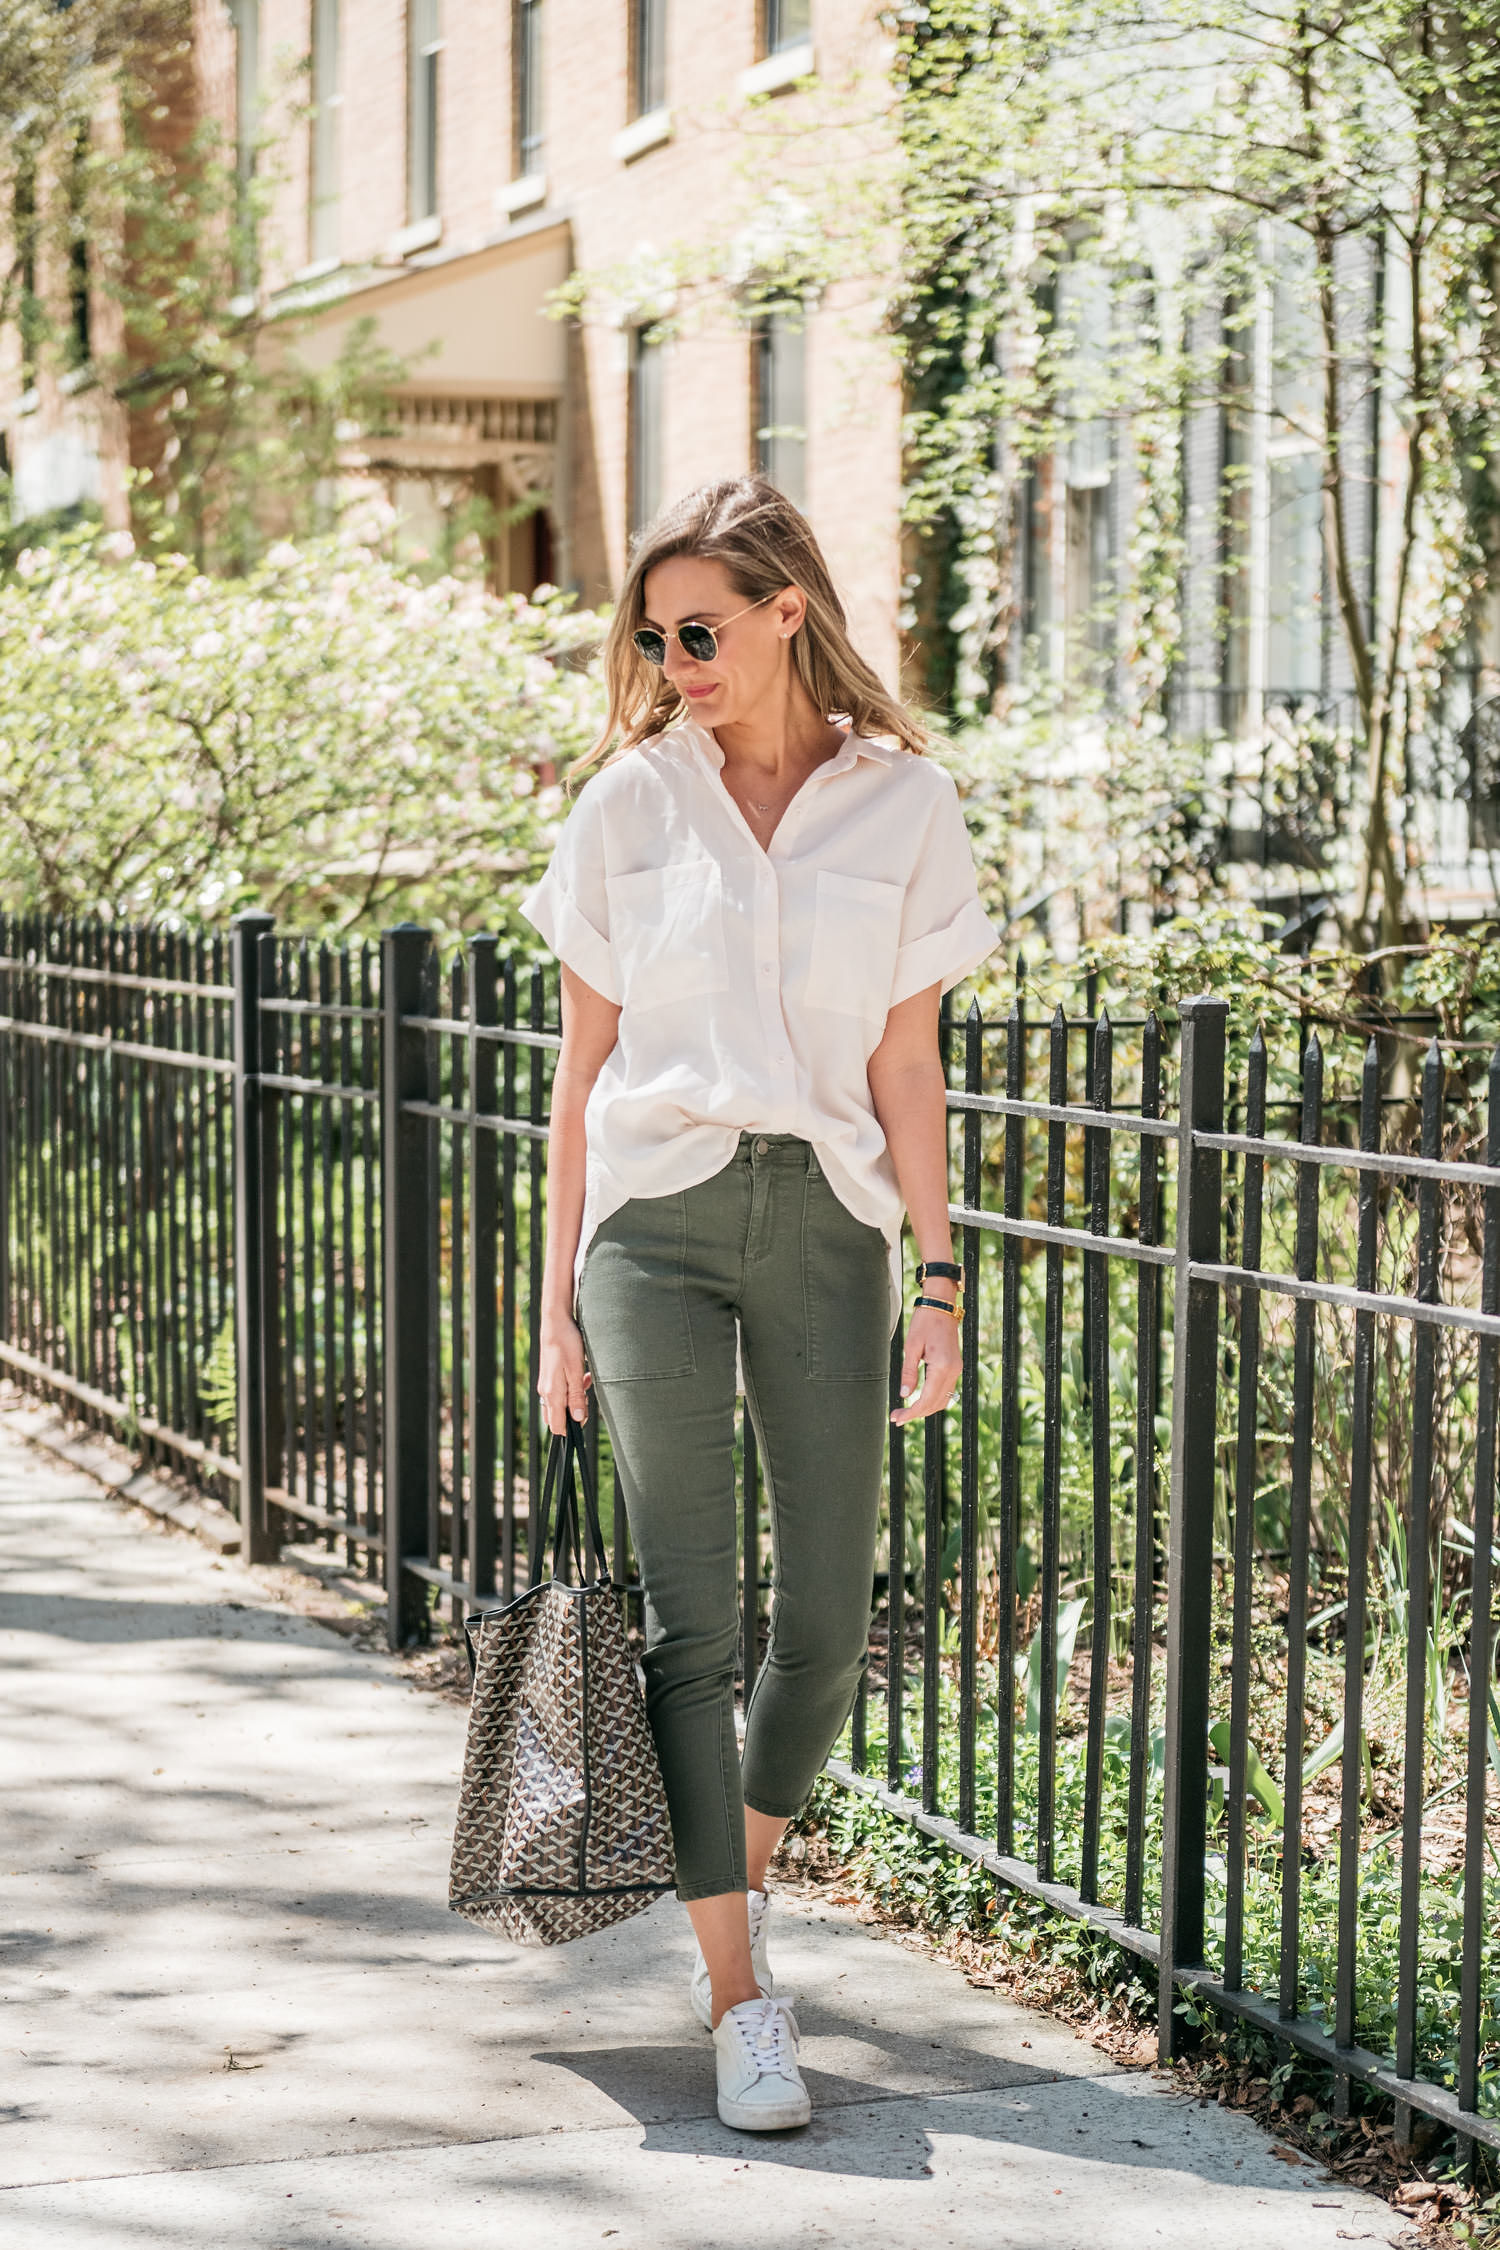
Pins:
<point x="754" y="656"/>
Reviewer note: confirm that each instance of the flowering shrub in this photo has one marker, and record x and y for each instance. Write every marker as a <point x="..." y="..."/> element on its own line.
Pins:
<point x="322" y="738"/>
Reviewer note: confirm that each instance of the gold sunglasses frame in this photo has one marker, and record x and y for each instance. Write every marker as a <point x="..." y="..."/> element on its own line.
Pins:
<point x="674" y="633"/>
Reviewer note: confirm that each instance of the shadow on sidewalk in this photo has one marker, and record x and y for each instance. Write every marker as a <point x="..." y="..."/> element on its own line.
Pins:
<point x="998" y="2105"/>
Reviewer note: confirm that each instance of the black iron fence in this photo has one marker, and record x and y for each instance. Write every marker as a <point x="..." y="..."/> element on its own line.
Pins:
<point x="1183" y="1620"/>
<point x="116" y="1156"/>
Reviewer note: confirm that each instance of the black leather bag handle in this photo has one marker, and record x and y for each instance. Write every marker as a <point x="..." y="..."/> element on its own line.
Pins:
<point x="567" y="1468"/>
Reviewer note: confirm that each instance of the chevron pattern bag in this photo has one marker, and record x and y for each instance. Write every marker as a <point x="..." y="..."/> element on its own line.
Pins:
<point x="562" y="1819"/>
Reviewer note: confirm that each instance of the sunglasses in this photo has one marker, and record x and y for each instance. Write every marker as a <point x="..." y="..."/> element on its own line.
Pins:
<point x="700" y="642"/>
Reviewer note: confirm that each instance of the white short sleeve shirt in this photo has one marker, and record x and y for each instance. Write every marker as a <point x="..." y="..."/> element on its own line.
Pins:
<point x="754" y="985"/>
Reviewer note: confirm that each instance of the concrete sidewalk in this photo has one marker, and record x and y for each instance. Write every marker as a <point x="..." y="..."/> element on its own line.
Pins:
<point x="238" y="2013"/>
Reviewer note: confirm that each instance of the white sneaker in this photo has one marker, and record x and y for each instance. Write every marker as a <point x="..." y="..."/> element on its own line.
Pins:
<point x="700" y="1991"/>
<point x="760" y="2086"/>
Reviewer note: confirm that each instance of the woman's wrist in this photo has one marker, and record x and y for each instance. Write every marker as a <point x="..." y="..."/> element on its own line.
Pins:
<point x="939" y="1283"/>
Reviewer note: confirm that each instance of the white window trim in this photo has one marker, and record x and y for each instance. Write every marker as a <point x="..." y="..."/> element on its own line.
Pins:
<point x="776" y="72"/>
<point x="523" y="194"/>
<point x="642" y="133"/>
<point x="420" y="235"/>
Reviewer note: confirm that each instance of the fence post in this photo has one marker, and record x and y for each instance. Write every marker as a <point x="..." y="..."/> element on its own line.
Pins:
<point x="406" y="1192"/>
<point x="484" y="1242"/>
<point x="1195" y="1371"/>
<point x="5" y="1008"/>
<point x="249" y="1239"/>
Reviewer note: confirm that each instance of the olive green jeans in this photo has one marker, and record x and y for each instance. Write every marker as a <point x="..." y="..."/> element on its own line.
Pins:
<point x="764" y="1246"/>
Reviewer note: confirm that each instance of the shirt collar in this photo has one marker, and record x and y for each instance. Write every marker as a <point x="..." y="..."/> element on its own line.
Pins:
<point x="691" y="740"/>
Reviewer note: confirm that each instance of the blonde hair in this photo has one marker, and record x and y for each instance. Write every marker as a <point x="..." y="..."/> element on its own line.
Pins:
<point x="764" y="543"/>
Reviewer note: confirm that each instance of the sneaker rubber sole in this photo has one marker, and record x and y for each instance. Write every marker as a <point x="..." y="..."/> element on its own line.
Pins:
<point x="766" y="2117"/>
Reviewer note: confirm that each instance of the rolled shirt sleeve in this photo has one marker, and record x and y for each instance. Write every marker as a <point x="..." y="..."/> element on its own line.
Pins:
<point x="945" y="932"/>
<point x="570" y="906"/>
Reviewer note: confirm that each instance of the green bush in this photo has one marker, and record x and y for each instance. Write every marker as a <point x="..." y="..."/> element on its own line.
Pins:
<point x="322" y="738"/>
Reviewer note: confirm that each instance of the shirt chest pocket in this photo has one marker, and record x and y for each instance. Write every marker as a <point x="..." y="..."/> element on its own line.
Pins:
<point x="856" y="936"/>
<point x="666" y="930"/>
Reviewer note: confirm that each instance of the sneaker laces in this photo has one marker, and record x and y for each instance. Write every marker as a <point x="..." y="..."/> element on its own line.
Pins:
<point x="769" y="2030"/>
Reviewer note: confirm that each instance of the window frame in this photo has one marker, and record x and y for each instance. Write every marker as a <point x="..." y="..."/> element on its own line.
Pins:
<point x="775" y="37"/>
<point x="528" y="88"/>
<point x="648" y="57"/>
<point x="771" y="428"/>
<point x="245" y="16"/>
<point x="424" y="47"/>
<point x="325" y="151"/>
<point x="645" y="425"/>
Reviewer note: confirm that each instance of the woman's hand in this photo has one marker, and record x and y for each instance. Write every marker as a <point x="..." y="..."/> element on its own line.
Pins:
<point x="934" y="1342"/>
<point x="563" y="1381"/>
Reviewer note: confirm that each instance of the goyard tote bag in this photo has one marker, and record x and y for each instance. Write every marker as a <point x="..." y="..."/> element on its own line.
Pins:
<point x="562" y="1819"/>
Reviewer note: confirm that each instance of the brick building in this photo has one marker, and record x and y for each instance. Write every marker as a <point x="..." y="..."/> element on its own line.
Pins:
<point x="442" y="166"/>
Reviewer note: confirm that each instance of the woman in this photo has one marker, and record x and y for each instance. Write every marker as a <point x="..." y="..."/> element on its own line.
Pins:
<point x="756" y="910"/>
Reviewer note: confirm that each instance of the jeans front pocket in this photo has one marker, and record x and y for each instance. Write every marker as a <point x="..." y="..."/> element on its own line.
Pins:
<point x="632" y="1297"/>
<point x="846" y="1289"/>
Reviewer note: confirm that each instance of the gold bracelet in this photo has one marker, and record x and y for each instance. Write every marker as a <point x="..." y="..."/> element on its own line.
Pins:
<point x="946" y="1271"/>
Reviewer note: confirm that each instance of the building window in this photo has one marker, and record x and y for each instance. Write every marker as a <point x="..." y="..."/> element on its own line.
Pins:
<point x="246" y="18"/>
<point x="527" y="49"/>
<point x="649" y="59"/>
<point x="327" y="95"/>
<point x="423" y="48"/>
<point x="1294" y="498"/>
<point x="79" y="307"/>
<point x="645" y="415"/>
<point x="31" y="319"/>
<point x="785" y="23"/>
<point x="1294" y="577"/>
<point x="778" y="390"/>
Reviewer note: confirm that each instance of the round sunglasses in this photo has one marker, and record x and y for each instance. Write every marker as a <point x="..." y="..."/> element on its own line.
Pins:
<point x="700" y="642"/>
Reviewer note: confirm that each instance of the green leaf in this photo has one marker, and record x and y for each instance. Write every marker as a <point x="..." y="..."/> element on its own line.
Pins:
<point x="1319" y="1760"/>
<point x="1257" y="1780"/>
<point x="1069" y="1617"/>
